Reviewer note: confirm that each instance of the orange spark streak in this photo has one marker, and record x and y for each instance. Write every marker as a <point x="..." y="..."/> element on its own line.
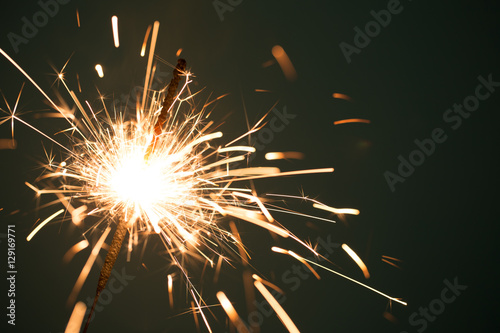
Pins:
<point x="390" y="263"/>
<point x="262" y="90"/>
<point x="78" y="80"/>
<point x="76" y="214"/>
<point x="268" y="63"/>
<point x="156" y="27"/>
<point x="258" y="202"/>
<point x="231" y="313"/>
<point x="299" y="258"/>
<point x="269" y="284"/>
<point x="74" y="250"/>
<point x="288" y="173"/>
<point x="357" y="260"/>
<point x="78" y="18"/>
<point x="114" y="23"/>
<point x="341" y="96"/>
<point x="282" y="315"/>
<point x="353" y="120"/>
<point x="247" y="216"/>
<point x="146" y="36"/>
<point x="76" y="319"/>
<point x="88" y="265"/>
<point x="40" y="226"/>
<point x="178" y="53"/>
<point x="8" y="144"/>
<point x="284" y="155"/>
<point x="391" y="258"/>
<point x="337" y="210"/>
<point x="284" y="62"/>
<point x="196" y="322"/>
<point x="170" y="293"/>
<point x="201" y="312"/>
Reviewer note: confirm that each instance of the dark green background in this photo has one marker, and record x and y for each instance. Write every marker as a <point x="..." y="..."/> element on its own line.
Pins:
<point x="441" y="221"/>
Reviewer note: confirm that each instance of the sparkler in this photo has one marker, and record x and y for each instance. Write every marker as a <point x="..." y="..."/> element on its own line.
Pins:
<point x="165" y="172"/>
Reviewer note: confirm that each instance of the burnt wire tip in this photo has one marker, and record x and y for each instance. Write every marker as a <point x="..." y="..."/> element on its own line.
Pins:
<point x="167" y="104"/>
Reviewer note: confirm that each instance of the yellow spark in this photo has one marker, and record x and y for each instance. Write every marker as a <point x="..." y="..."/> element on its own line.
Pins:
<point x="349" y="211"/>
<point x="156" y="27"/>
<point x="114" y="23"/>
<point x="41" y="225"/>
<point x="296" y="256"/>
<point x="231" y="313"/>
<point x="357" y="260"/>
<point x="76" y="214"/>
<point x="170" y="293"/>
<point x="284" y="155"/>
<point x="357" y="282"/>
<point x="99" y="70"/>
<point x="267" y="283"/>
<point x="76" y="319"/>
<point x="280" y="312"/>
<point x="74" y="250"/>
<point x="88" y="265"/>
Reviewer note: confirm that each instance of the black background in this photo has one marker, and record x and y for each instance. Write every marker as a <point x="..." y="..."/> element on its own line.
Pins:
<point x="440" y="221"/>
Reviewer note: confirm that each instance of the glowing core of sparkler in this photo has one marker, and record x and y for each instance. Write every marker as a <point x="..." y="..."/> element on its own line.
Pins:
<point x="135" y="181"/>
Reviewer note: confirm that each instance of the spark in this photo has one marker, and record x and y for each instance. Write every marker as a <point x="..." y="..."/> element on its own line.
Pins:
<point x="41" y="225"/>
<point x="75" y="321"/>
<point x="295" y="155"/>
<point x="144" y="44"/>
<point x="352" y="120"/>
<point x="99" y="70"/>
<point x="280" y="312"/>
<point x="267" y="283"/>
<point x="349" y="211"/>
<point x="8" y="144"/>
<point x="170" y="294"/>
<point x="114" y="23"/>
<point x="78" y="18"/>
<point x="88" y="265"/>
<point x="357" y="260"/>
<point x="299" y="258"/>
<point x="284" y="62"/>
<point x="341" y="96"/>
<point x="74" y="250"/>
<point x="357" y="282"/>
<point x="231" y="313"/>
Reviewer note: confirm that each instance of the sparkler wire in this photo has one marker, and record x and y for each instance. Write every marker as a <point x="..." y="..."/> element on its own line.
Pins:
<point x="121" y="229"/>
